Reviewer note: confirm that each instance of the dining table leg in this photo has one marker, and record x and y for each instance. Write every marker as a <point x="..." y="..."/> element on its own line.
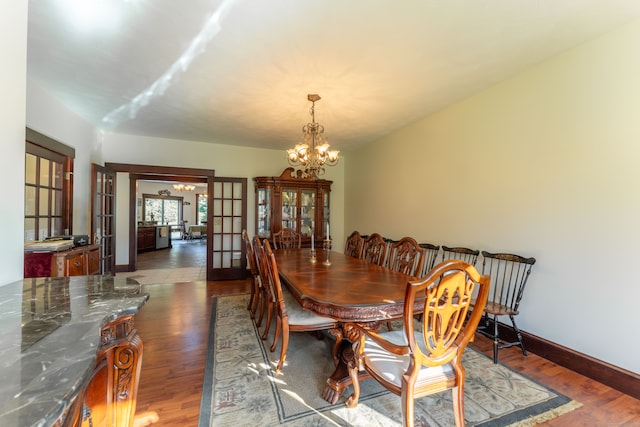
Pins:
<point x="345" y="359"/>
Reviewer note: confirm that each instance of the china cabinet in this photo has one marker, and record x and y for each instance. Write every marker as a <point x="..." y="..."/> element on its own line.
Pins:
<point x="291" y="201"/>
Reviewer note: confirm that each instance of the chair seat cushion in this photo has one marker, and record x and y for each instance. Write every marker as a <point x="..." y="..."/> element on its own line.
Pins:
<point x="390" y="367"/>
<point x="299" y="317"/>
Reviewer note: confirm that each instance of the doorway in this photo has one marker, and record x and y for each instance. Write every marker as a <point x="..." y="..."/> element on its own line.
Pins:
<point x="225" y="253"/>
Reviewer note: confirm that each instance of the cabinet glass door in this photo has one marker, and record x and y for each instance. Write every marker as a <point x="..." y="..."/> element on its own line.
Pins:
<point x="264" y="212"/>
<point x="307" y="212"/>
<point x="325" y="201"/>
<point x="289" y="209"/>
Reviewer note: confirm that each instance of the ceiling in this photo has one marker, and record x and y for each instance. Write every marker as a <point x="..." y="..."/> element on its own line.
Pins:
<point x="239" y="71"/>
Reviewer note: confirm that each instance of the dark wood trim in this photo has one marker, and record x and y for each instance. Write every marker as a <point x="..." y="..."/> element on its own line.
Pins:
<point x="167" y="172"/>
<point x="49" y="143"/>
<point x="613" y="376"/>
<point x="150" y="172"/>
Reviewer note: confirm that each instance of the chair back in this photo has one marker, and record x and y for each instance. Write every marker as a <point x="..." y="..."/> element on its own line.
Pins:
<point x="430" y="257"/>
<point x="465" y="254"/>
<point x="447" y="290"/>
<point x="375" y="250"/>
<point x="261" y="265"/>
<point x="406" y="257"/>
<point x="353" y="245"/>
<point x="509" y="274"/>
<point x="274" y="281"/>
<point x="287" y="239"/>
<point x="251" y="258"/>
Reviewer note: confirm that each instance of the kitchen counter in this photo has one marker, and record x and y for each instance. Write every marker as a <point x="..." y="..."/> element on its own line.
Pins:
<point x="55" y="335"/>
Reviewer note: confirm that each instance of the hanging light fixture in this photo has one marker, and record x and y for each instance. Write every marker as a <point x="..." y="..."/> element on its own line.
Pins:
<point x="182" y="187"/>
<point x="312" y="153"/>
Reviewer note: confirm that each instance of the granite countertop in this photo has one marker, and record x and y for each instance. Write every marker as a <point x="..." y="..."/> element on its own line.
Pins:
<point x="49" y="336"/>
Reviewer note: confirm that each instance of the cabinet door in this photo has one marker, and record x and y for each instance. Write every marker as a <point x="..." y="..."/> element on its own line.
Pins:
<point x="290" y="209"/>
<point x="93" y="261"/>
<point x="263" y="217"/>
<point x="96" y="402"/>
<point x="307" y="212"/>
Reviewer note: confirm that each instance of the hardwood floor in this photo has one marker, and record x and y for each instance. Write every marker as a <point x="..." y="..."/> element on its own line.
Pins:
<point x="174" y="326"/>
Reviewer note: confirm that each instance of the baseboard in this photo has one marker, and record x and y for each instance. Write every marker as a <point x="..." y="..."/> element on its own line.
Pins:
<point x="123" y="268"/>
<point x="613" y="376"/>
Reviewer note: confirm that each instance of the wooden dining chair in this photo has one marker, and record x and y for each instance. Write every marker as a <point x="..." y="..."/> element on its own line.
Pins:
<point x="430" y="257"/>
<point x="509" y="274"/>
<point x="287" y="238"/>
<point x="289" y="315"/>
<point x="424" y="358"/>
<point x="407" y="257"/>
<point x="268" y="298"/>
<point x="353" y="245"/>
<point x="256" y="291"/>
<point x="465" y="254"/>
<point x="375" y="249"/>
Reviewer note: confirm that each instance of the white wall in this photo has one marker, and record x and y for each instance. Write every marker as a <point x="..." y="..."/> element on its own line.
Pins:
<point x="226" y="160"/>
<point x="51" y="118"/>
<point x="13" y="45"/>
<point x="545" y="165"/>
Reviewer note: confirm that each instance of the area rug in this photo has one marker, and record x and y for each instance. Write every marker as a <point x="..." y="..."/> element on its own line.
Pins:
<point x="242" y="389"/>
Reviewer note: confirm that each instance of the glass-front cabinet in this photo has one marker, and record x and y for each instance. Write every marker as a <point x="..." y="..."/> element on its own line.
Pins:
<point x="290" y="201"/>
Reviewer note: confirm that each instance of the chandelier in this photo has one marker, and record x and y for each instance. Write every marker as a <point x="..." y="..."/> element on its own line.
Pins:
<point x="182" y="187"/>
<point x="312" y="153"/>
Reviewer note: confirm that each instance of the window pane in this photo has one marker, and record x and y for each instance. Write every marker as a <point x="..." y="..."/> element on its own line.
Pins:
<point x="57" y="175"/>
<point x="43" y="228"/>
<point x="171" y="210"/>
<point x="44" y="171"/>
<point x="29" y="229"/>
<point x="43" y="208"/>
<point x="30" y="169"/>
<point x="30" y="200"/>
<point x="57" y="227"/>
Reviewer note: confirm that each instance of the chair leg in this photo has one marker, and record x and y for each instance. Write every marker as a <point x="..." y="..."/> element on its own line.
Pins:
<point x="458" y="405"/>
<point x="263" y="307"/>
<point x="496" y="341"/>
<point x="267" y="326"/>
<point x="251" y="299"/>
<point x="406" y="397"/>
<point x="518" y="334"/>
<point x="285" y="345"/>
<point x="276" y="334"/>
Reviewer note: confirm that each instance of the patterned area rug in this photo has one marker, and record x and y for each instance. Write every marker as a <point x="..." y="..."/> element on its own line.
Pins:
<point x="241" y="388"/>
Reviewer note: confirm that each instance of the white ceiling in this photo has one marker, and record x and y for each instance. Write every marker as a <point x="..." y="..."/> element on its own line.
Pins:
<point x="238" y="72"/>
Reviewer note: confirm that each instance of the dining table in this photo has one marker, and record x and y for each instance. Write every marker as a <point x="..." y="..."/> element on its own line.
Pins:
<point x="345" y="288"/>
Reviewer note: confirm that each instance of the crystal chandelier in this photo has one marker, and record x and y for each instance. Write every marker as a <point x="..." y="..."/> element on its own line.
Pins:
<point x="181" y="187"/>
<point x="312" y="153"/>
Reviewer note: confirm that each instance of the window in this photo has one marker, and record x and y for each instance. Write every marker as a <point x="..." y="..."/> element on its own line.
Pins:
<point x="47" y="201"/>
<point x="162" y="209"/>
<point x="202" y="202"/>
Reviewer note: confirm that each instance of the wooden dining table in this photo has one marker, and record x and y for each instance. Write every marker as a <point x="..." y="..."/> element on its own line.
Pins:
<point x="349" y="290"/>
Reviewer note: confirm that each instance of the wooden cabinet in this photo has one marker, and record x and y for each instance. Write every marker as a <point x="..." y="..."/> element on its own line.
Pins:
<point x="146" y="239"/>
<point x="291" y="201"/>
<point x="80" y="261"/>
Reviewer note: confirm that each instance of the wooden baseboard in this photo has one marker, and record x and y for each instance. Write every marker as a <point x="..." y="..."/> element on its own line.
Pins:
<point x="613" y="376"/>
<point x="123" y="268"/>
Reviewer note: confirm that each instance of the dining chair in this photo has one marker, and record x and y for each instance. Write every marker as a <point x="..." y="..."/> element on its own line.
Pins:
<point x="465" y="254"/>
<point x="256" y="291"/>
<point x="289" y="315"/>
<point x="406" y="256"/>
<point x="430" y="256"/>
<point x="353" y="245"/>
<point x="424" y="358"/>
<point x="287" y="238"/>
<point x="268" y="298"/>
<point x="375" y="249"/>
<point x="509" y="274"/>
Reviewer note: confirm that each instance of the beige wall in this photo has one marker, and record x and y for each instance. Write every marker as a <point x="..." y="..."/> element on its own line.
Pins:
<point x="545" y="165"/>
<point x="13" y="45"/>
<point x="226" y="160"/>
